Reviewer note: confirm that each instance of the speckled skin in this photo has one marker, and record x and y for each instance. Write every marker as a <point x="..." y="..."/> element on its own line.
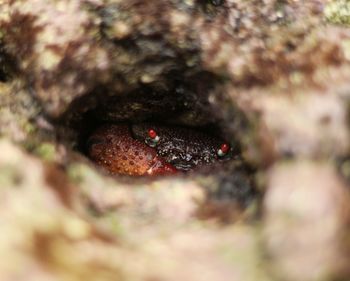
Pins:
<point x="114" y="148"/>
<point x="184" y="148"/>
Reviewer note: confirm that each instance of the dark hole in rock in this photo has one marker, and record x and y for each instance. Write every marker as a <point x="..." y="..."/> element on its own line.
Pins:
<point x="194" y="131"/>
<point x="212" y="7"/>
<point x="7" y="65"/>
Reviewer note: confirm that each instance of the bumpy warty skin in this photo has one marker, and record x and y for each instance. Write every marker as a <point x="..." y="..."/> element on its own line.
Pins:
<point x="185" y="148"/>
<point x="130" y="150"/>
<point x="113" y="147"/>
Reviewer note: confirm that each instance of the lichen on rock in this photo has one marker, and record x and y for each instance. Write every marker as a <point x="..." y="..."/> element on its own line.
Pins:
<point x="338" y="12"/>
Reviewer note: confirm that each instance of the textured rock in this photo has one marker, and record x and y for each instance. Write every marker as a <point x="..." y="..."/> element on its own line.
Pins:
<point x="306" y="212"/>
<point x="271" y="77"/>
<point x="48" y="232"/>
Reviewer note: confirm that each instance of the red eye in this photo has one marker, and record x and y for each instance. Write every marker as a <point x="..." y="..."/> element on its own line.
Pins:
<point x="152" y="133"/>
<point x="224" y="148"/>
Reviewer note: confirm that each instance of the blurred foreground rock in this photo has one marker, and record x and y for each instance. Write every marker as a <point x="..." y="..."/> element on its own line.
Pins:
<point x="46" y="234"/>
<point x="306" y="221"/>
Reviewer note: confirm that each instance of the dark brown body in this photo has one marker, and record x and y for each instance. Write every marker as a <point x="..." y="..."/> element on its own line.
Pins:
<point x="185" y="148"/>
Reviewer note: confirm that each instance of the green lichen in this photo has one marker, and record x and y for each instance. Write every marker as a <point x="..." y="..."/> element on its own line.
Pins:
<point x="114" y="225"/>
<point x="46" y="151"/>
<point x="9" y="176"/>
<point x="81" y="174"/>
<point x="338" y="12"/>
<point x="245" y="254"/>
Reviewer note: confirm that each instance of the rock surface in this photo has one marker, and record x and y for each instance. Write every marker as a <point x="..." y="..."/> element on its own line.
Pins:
<point x="271" y="76"/>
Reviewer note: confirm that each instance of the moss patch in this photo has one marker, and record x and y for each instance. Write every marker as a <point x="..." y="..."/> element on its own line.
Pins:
<point x="338" y="12"/>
